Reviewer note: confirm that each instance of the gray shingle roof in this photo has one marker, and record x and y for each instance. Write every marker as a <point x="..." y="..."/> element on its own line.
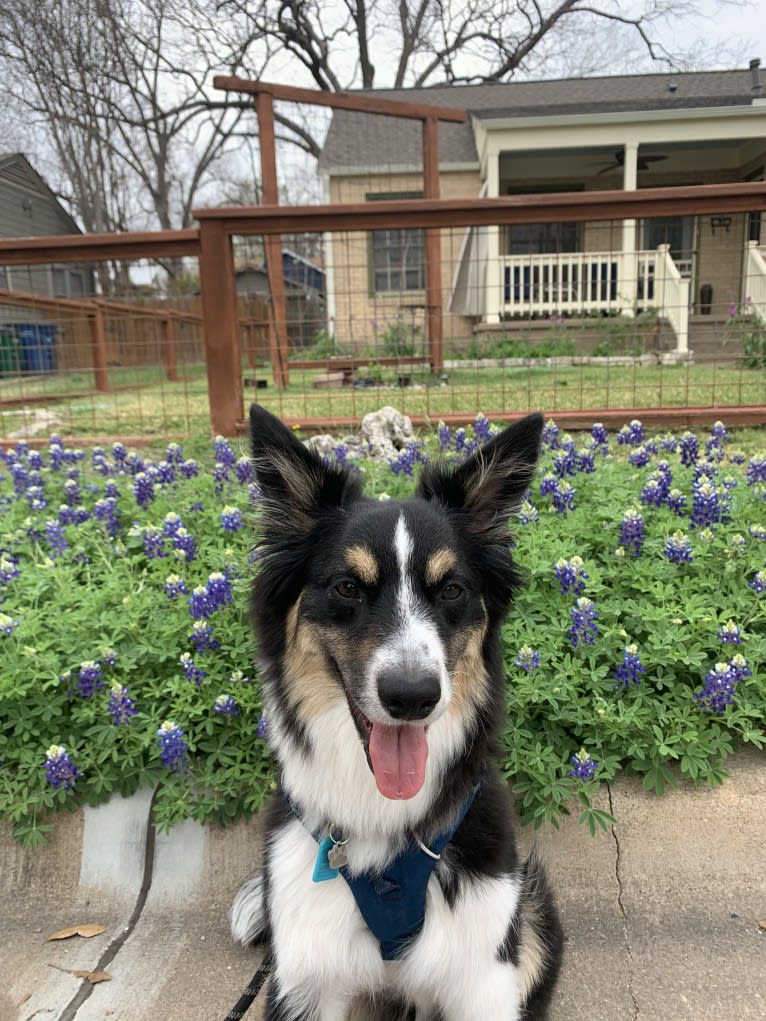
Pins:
<point x="357" y="140"/>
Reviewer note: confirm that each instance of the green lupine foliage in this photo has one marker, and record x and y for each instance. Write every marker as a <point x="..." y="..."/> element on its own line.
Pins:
<point x="93" y="612"/>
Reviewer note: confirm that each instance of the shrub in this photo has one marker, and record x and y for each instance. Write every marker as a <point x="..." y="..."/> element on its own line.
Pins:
<point x="638" y="643"/>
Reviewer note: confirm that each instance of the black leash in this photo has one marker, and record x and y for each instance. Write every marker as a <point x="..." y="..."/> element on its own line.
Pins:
<point x="242" y="1005"/>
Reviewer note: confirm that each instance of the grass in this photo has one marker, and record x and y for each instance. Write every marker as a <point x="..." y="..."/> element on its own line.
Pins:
<point x="144" y="403"/>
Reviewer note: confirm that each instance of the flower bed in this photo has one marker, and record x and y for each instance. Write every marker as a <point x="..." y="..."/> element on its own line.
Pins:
<point x="638" y="642"/>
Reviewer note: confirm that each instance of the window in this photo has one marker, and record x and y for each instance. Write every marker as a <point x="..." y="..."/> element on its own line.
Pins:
<point x="543" y="238"/>
<point x="676" y="231"/>
<point x="397" y="259"/>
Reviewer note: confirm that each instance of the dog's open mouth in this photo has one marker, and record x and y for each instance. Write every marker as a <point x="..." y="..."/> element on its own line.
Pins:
<point x="396" y="754"/>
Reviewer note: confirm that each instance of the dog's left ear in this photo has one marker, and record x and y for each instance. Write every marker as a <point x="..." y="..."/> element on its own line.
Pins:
<point x="490" y="484"/>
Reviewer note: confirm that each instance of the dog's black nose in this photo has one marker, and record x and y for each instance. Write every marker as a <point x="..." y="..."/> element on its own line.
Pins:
<point x="408" y="696"/>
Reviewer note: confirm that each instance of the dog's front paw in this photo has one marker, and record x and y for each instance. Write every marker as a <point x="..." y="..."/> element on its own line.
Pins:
<point x="248" y="919"/>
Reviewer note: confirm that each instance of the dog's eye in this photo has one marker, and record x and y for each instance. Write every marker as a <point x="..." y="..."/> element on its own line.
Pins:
<point x="451" y="591"/>
<point x="347" y="589"/>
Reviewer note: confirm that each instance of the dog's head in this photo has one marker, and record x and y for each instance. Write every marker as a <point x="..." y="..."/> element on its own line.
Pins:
<point x="392" y="606"/>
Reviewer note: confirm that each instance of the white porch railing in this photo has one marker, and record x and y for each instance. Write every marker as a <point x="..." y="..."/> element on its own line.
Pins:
<point x="579" y="283"/>
<point x="754" y="281"/>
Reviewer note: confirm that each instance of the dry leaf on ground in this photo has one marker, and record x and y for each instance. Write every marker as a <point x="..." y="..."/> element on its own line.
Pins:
<point x="94" y="977"/>
<point x="88" y="930"/>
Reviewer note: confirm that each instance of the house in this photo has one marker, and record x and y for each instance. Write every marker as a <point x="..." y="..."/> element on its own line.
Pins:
<point x="304" y="288"/>
<point x="28" y="208"/>
<point x="586" y="134"/>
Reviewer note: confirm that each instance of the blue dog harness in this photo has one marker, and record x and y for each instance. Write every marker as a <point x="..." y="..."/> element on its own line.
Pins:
<point x="393" y="902"/>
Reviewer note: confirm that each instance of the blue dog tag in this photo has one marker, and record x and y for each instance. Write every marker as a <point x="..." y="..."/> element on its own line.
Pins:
<point x="323" y="870"/>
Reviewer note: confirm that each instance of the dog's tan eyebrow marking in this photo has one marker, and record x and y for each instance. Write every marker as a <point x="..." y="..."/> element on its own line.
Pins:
<point x="438" y="565"/>
<point x="362" y="562"/>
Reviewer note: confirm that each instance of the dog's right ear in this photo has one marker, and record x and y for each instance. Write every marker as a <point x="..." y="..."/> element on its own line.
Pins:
<point x="296" y="483"/>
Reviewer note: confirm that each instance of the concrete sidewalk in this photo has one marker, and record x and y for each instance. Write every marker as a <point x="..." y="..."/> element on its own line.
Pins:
<point x="662" y="914"/>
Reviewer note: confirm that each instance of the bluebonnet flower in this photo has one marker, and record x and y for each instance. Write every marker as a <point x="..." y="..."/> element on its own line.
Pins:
<point x="105" y="510"/>
<point x="36" y="498"/>
<point x="482" y="428"/>
<point x="184" y="545"/>
<point x="173" y="747"/>
<point x="165" y="472"/>
<point x="564" y="497"/>
<point x="528" y="513"/>
<point x="90" y="677"/>
<point x="652" y="494"/>
<point x="231" y="519"/>
<point x="706" y="506"/>
<point x="565" y="460"/>
<point x="632" y="533"/>
<point x="198" y="602"/>
<point x="737" y="457"/>
<point x="254" y="493"/>
<point x="738" y="666"/>
<point x="758" y="583"/>
<point x="629" y="671"/>
<point x="676" y="500"/>
<point x="527" y="658"/>
<point x="583" y="766"/>
<point x="219" y="593"/>
<point x="189" y="469"/>
<point x="175" y="586"/>
<point x="688" y="446"/>
<point x="407" y="459"/>
<point x="729" y="634"/>
<point x="171" y="524"/>
<point x="35" y="460"/>
<point x="243" y="468"/>
<point x="119" y="453"/>
<point x="121" y="705"/>
<point x="202" y="636"/>
<point x="678" y="548"/>
<point x="584" y="627"/>
<point x="550" y="436"/>
<point x="718" y="692"/>
<point x="223" y="453"/>
<point x="109" y="656"/>
<point x="154" y="543"/>
<point x="548" y="484"/>
<point x="586" y="460"/>
<point x="757" y="531"/>
<point x="632" y="434"/>
<point x="55" y="455"/>
<point x="111" y="490"/>
<point x="72" y="492"/>
<point x="571" y="575"/>
<point x="54" y="535"/>
<point x="174" y="454"/>
<point x="444" y="435"/>
<point x="20" y="478"/>
<point x="9" y="568"/>
<point x="238" y="677"/>
<point x="756" y="470"/>
<point x="639" y="457"/>
<point x="60" y="770"/>
<point x="719" y="432"/>
<point x="599" y="433"/>
<point x="262" y="727"/>
<point x="225" y="705"/>
<point x="8" y="624"/>
<point x="191" y="671"/>
<point x="143" y="489"/>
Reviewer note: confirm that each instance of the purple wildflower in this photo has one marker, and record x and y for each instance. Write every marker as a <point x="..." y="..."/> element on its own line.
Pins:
<point x="758" y="583"/>
<point x="639" y="457"/>
<point x="231" y="519"/>
<point x="9" y="568"/>
<point x="550" y="437"/>
<point x="599" y="434"/>
<point x="565" y="460"/>
<point x="444" y="435"/>
<point x="225" y="705"/>
<point x="192" y="672"/>
<point x="527" y="658"/>
<point x="90" y="677"/>
<point x="175" y="586"/>
<point x="586" y="461"/>
<point x="184" y="545"/>
<point x="629" y="671"/>
<point x="223" y="453"/>
<point x="482" y="428"/>
<point x="678" y="548"/>
<point x="407" y="459"/>
<point x="756" y="470"/>
<point x="219" y="593"/>
<point x="706" y="505"/>
<point x="676" y="500"/>
<point x="583" y="766"/>
<point x="688" y="447"/>
<point x="262" y="727"/>
<point x="54" y="535"/>
<point x="121" y="705"/>
<point x="8" y="624"/>
<point x="564" y="497"/>
<point x="154" y="543"/>
<point x="718" y="691"/>
<point x="632" y="434"/>
<point x="189" y="469"/>
<point x="198" y="602"/>
<point x="571" y="575"/>
<point x="244" y="469"/>
<point x="173" y="747"/>
<point x="528" y="513"/>
<point x="60" y="770"/>
<point x="632" y="533"/>
<point x="730" y="634"/>
<point x="143" y="489"/>
<point x="757" y="531"/>
<point x="584" y="627"/>
<point x="202" y="636"/>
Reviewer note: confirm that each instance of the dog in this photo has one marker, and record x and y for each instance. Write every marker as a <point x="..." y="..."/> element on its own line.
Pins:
<point x="391" y="880"/>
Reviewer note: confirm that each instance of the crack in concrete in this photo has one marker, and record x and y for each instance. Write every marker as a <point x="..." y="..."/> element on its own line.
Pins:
<point x="623" y="912"/>
<point x="86" y="988"/>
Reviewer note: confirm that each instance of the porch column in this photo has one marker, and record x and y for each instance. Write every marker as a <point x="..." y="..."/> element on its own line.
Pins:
<point x="629" y="269"/>
<point x="493" y="278"/>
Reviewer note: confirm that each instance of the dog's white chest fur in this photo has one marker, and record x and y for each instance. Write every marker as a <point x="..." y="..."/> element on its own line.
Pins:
<point x="325" y="943"/>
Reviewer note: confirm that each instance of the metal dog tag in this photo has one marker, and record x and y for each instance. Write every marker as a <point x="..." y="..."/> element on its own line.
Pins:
<point x="337" y="856"/>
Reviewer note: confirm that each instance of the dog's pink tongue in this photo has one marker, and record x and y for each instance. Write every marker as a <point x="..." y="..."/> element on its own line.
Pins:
<point x="398" y="756"/>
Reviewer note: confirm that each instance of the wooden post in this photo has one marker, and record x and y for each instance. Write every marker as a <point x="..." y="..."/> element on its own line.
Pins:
<point x="264" y="106"/>
<point x="220" y="328"/>
<point x="169" y="349"/>
<point x="98" y="349"/>
<point x="433" y="247"/>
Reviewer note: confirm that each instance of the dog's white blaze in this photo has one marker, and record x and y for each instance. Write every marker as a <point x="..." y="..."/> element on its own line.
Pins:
<point x="415" y="643"/>
<point x="454" y="960"/>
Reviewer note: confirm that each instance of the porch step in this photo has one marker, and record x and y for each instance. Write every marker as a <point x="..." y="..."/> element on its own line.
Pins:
<point x="711" y="339"/>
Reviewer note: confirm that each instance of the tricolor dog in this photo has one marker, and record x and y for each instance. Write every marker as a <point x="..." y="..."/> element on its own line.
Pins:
<point x="391" y="881"/>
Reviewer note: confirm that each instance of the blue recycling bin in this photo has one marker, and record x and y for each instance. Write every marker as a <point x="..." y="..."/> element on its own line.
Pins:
<point x="37" y="346"/>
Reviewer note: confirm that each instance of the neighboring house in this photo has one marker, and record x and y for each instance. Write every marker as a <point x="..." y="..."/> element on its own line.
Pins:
<point x="304" y="289"/>
<point x="585" y="134"/>
<point x="28" y="208"/>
